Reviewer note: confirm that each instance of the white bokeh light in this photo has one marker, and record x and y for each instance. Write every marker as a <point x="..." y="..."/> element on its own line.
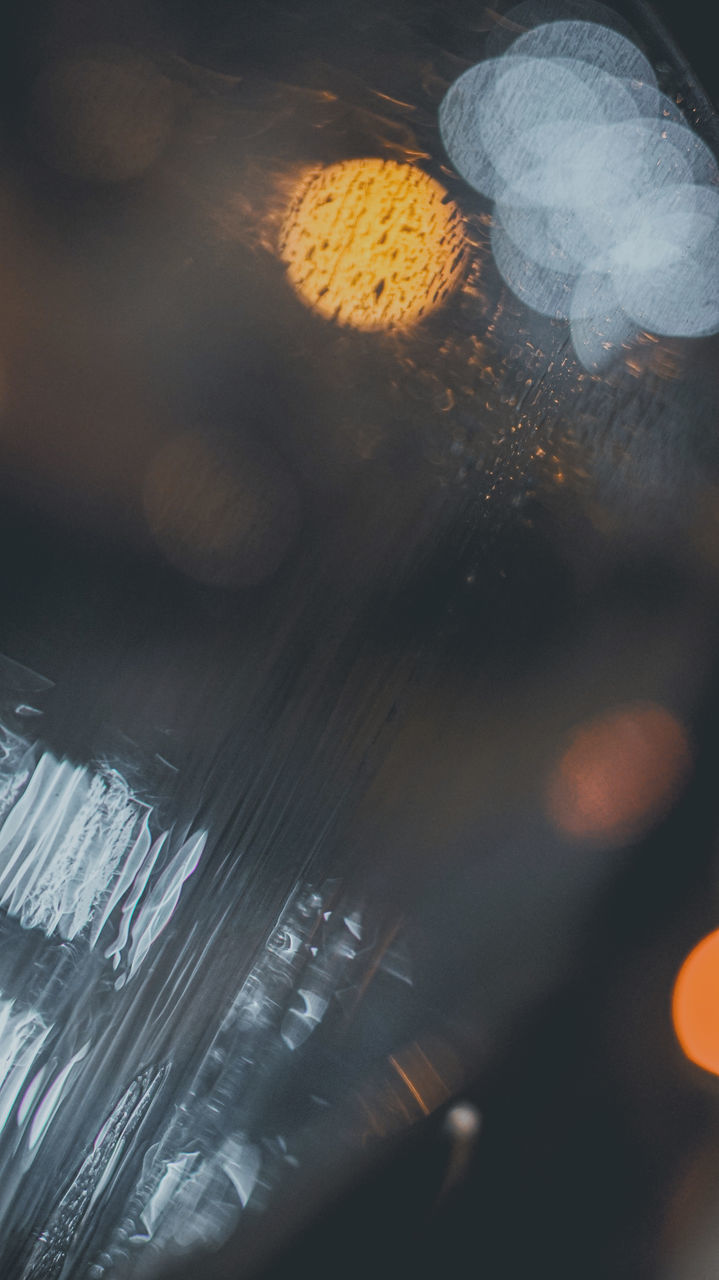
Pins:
<point x="606" y="202"/>
<point x="587" y="42"/>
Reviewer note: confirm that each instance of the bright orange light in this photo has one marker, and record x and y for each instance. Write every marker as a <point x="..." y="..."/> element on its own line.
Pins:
<point x="372" y="244"/>
<point x="224" y="514"/>
<point x="619" y="774"/>
<point x="695" y="1004"/>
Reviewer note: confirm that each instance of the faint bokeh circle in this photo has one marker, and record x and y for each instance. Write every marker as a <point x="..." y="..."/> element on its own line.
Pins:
<point x="223" y="512"/>
<point x="102" y="116"/>
<point x="619" y="774"/>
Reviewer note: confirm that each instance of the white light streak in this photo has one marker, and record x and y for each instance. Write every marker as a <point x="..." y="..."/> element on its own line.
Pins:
<point x="240" y="1162"/>
<point x="177" y="1172"/>
<point x="29" y="1096"/>
<point x="62" y="844"/>
<point x="22" y="1035"/>
<point x="139" y="885"/>
<point x="53" y="1097"/>
<point x="298" y="1024"/>
<point x="156" y="913"/>
<point x="75" y="844"/>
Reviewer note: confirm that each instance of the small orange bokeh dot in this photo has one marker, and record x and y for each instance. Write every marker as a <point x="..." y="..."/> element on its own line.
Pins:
<point x="619" y="773"/>
<point x="372" y="244"/>
<point x="695" y="1004"/>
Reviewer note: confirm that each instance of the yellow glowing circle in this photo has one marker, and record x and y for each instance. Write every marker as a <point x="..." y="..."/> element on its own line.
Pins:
<point x="372" y="244"/>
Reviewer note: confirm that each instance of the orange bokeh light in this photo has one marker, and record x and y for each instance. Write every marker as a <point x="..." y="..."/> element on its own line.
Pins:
<point x="372" y="244"/>
<point x="695" y="1004"/>
<point x="619" y="774"/>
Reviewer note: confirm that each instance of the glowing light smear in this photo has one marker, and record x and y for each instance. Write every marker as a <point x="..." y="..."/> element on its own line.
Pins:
<point x="196" y="1201"/>
<point x="620" y="773"/>
<point x="49" y="1253"/>
<point x="606" y="203"/>
<point x="22" y="1035"/>
<point x="62" y="844"/>
<point x="75" y="843"/>
<point x="204" y="1169"/>
<point x="51" y="1100"/>
<point x="695" y="1004"/>
<point x="159" y="907"/>
<point x="81" y="860"/>
<point x="372" y="244"/>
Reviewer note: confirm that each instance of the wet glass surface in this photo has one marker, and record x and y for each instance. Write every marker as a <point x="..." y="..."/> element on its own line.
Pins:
<point x="360" y="627"/>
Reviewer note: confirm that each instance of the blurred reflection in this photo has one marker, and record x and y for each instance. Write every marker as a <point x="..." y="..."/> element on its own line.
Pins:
<point x="223" y="514"/>
<point x="619" y="774"/>
<point x="103" y="116"/>
<point x="690" y="1237"/>
<point x="416" y="1080"/>
<point x="695" y="1005"/>
<point x="372" y="244"/>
